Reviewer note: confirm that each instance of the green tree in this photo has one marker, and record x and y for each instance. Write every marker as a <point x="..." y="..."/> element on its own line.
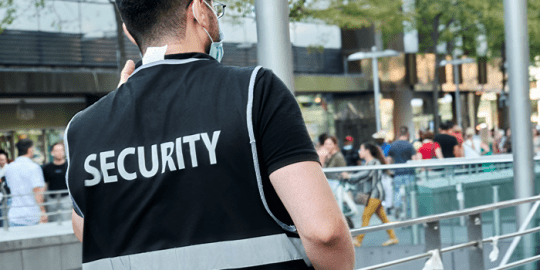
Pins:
<point x="441" y="21"/>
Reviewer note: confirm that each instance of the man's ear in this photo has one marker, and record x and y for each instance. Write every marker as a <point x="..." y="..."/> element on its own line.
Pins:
<point x="200" y="12"/>
<point x="130" y="37"/>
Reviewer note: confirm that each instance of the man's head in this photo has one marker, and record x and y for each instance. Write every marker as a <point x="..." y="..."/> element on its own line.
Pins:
<point x="379" y="137"/>
<point x="25" y="147"/>
<point x="322" y="138"/>
<point x="348" y="140"/>
<point x="446" y="127"/>
<point x="57" y="151"/>
<point x="403" y="133"/>
<point x="152" y="23"/>
<point x="3" y="159"/>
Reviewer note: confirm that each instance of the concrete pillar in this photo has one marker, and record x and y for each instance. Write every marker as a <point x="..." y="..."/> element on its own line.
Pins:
<point x="403" y="114"/>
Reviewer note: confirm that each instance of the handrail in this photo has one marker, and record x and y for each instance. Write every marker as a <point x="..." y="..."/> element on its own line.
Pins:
<point x="429" y="164"/>
<point x="518" y="263"/>
<point x="5" y="217"/>
<point x="56" y="192"/>
<point x="471" y="211"/>
<point x="448" y="215"/>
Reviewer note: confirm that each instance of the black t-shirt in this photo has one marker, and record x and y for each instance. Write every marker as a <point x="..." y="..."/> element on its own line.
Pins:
<point x="447" y="143"/>
<point x="55" y="177"/>
<point x="190" y="114"/>
<point x="351" y="156"/>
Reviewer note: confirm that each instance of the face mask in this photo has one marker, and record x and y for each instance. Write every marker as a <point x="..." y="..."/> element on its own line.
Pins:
<point x="216" y="48"/>
<point x="347" y="147"/>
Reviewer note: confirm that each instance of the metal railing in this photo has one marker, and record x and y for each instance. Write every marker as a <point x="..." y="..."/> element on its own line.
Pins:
<point x="48" y="202"/>
<point x="453" y="172"/>
<point x="474" y="232"/>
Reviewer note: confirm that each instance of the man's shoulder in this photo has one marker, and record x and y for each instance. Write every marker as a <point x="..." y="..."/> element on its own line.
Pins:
<point x="400" y="144"/>
<point x="48" y="166"/>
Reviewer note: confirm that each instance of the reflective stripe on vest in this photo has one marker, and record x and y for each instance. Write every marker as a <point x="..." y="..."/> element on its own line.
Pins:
<point x="220" y="255"/>
<point x="249" y="114"/>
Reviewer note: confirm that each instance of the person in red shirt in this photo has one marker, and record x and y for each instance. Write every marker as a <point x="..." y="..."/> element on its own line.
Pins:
<point x="429" y="148"/>
<point x="457" y="132"/>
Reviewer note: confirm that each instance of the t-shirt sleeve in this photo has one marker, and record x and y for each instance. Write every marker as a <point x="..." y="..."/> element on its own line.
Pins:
<point x="44" y="170"/>
<point x="37" y="180"/>
<point x="280" y="131"/>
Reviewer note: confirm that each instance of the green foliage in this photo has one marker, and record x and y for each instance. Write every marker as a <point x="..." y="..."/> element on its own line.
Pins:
<point x="386" y="15"/>
<point x="9" y="16"/>
<point x="315" y="49"/>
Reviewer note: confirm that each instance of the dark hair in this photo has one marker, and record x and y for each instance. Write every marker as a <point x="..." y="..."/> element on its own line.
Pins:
<point x="23" y="146"/>
<point x="447" y="125"/>
<point x="428" y="135"/>
<point x="333" y="138"/>
<point x="375" y="151"/>
<point x="2" y="152"/>
<point x="150" y="20"/>
<point x="323" y="138"/>
<point x="57" y="143"/>
<point x="403" y="131"/>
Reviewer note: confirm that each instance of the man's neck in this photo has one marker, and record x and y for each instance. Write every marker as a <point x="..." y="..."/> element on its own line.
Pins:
<point x="178" y="47"/>
<point x="403" y="139"/>
<point x="59" y="161"/>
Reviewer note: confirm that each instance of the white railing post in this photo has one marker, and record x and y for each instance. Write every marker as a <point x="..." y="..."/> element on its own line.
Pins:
<point x="474" y="233"/>
<point x="496" y="212"/>
<point x="414" y="214"/>
<point x="5" y="210"/>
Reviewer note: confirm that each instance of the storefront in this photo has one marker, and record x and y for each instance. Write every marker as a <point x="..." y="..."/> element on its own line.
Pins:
<point x="43" y="120"/>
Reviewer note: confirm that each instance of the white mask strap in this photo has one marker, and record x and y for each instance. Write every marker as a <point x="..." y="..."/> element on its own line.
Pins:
<point x="193" y="10"/>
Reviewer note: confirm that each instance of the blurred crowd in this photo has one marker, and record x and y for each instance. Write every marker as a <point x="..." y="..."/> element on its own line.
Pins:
<point x="385" y="192"/>
<point x="37" y="194"/>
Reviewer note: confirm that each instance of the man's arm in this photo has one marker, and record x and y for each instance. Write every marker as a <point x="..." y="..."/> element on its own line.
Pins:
<point x="457" y="151"/>
<point x="38" y="195"/>
<point x="77" y="223"/>
<point x="438" y="153"/>
<point x="304" y="190"/>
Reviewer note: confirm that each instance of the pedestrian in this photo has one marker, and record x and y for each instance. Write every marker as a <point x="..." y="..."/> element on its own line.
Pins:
<point x="334" y="158"/>
<point x="429" y="148"/>
<point x="194" y="165"/>
<point x="55" y="179"/>
<point x="380" y="139"/>
<point x="400" y="152"/>
<point x="457" y="131"/>
<point x="350" y="153"/>
<point x="536" y="140"/>
<point x="321" y="150"/>
<point x="473" y="145"/>
<point x="25" y="180"/>
<point x="449" y="144"/>
<point x="487" y="140"/>
<point x="373" y="157"/>
<point x="3" y="163"/>
<point x="507" y="142"/>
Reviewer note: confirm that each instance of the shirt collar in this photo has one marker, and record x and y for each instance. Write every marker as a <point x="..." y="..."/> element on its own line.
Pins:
<point x="23" y="158"/>
<point x="181" y="56"/>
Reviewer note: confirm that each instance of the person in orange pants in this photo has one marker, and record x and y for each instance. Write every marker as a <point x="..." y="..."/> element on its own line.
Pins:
<point x="373" y="157"/>
<point x="375" y="207"/>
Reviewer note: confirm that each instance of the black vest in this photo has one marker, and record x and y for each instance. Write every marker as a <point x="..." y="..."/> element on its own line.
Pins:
<point x="163" y="171"/>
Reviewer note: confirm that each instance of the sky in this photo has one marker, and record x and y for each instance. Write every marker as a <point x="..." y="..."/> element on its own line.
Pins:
<point x="97" y="19"/>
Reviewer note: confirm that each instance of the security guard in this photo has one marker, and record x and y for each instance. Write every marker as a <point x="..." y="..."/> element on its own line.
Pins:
<point x="194" y="165"/>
